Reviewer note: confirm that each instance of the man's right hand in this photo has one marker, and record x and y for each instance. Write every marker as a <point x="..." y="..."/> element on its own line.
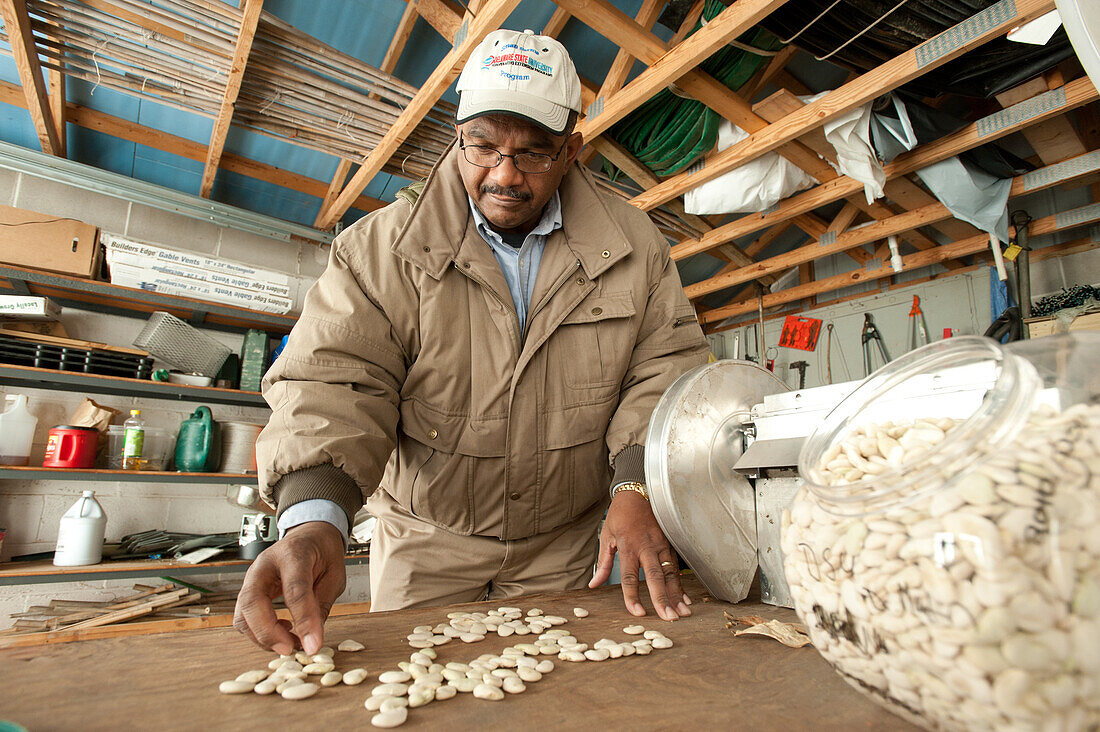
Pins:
<point x="306" y="567"/>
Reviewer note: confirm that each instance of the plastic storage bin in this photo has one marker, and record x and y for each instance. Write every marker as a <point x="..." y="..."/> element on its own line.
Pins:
<point x="944" y="551"/>
<point x="156" y="451"/>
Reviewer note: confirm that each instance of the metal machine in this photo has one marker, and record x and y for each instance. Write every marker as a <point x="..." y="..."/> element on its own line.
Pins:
<point x="722" y="462"/>
<point x="258" y="532"/>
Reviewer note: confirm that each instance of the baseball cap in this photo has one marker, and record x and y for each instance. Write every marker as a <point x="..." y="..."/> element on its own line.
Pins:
<point x="520" y="74"/>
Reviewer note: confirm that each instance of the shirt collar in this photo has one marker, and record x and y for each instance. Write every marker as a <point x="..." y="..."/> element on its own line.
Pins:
<point x="550" y="221"/>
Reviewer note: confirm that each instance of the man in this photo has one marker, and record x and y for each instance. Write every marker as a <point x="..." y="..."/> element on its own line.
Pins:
<point x="471" y="363"/>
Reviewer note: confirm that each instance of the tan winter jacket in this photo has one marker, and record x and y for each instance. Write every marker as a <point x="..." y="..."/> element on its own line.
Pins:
<point x="410" y="340"/>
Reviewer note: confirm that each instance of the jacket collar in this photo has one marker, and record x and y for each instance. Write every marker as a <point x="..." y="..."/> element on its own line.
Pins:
<point x="433" y="233"/>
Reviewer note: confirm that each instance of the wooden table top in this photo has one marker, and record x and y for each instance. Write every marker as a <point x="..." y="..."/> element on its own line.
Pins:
<point x="709" y="679"/>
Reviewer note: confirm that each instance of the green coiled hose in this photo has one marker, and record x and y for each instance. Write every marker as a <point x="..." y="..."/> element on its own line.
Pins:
<point x="668" y="132"/>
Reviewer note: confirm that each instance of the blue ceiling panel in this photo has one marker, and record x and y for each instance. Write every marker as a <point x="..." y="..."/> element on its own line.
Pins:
<point x="265" y="198"/>
<point x="16" y="127"/>
<point x="8" y="72"/>
<point x="100" y="150"/>
<point x="281" y="153"/>
<point x="168" y="170"/>
<point x="194" y="127"/>
<point x="361" y="28"/>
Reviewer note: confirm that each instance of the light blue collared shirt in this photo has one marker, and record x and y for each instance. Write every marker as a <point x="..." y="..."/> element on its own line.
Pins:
<point x="520" y="267"/>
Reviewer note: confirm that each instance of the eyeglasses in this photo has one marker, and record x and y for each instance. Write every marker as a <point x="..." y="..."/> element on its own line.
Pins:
<point x="526" y="162"/>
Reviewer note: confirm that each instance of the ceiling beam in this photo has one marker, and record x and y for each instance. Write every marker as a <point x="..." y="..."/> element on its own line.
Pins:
<point x="992" y="127"/>
<point x="665" y="66"/>
<point x="443" y="15"/>
<point x="57" y="108"/>
<point x="620" y="69"/>
<point x="933" y="53"/>
<point x="250" y="21"/>
<point x="492" y="14"/>
<point x="831" y="242"/>
<point x="973" y="245"/>
<point x="621" y="158"/>
<point x="400" y="38"/>
<point x="389" y="62"/>
<point x="18" y="26"/>
<point x="92" y="119"/>
<point x="1053" y="140"/>
<point x="557" y="22"/>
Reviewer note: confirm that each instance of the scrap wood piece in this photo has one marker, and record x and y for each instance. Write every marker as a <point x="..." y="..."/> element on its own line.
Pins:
<point x="789" y="634"/>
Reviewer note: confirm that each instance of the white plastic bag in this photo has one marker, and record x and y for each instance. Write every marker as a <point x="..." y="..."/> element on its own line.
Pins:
<point x="755" y="186"/>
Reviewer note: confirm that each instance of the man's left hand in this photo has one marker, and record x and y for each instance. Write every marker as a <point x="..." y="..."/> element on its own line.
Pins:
<point x="631" y="531"/>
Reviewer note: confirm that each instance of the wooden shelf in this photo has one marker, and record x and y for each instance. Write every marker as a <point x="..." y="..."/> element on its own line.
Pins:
<point x="43" y="571"/>
<point x="131" y="302"/>
<point x="32" y="472"/>
<point x="38" y="378"/>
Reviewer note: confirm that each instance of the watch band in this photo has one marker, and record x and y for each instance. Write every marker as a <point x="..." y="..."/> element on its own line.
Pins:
<point x="632" y="485"/>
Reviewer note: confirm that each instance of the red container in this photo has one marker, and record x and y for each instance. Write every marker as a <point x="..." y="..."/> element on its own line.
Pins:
<point x="71" y="447"/>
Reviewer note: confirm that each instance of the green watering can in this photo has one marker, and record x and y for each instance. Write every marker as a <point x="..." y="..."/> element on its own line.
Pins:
<point x="198" y="447"/>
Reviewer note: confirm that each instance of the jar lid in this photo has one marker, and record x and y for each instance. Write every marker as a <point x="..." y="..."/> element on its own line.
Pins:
<point x="72" y="427"/>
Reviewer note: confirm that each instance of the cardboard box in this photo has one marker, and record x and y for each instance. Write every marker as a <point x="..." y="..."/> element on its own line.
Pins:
<point x="173" y="269"/>
<point x="28" y="307"/>
<point x="146" y="279"/>
<point x="1050" y="326"/>
<point x="223" y="272"/>
<point x="44" y="241"/>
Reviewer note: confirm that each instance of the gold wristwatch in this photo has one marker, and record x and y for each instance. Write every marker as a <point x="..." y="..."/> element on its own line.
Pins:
<point x="631" y="486"/>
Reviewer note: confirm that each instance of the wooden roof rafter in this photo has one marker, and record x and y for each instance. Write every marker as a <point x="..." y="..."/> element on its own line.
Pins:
<point x="990" y="23"/>
<point x="250" y="21"/>
<point x="17" y="23"/>
<point x="490" y="17"/>
<point x="1072" y="95"/>
<point x="882" y="269"/>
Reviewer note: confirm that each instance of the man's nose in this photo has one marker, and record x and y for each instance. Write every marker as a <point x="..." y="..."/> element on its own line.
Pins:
<point x="506" y="174"/>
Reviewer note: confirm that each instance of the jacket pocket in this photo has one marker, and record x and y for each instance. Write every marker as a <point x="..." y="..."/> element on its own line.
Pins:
<point x="576" y="474"/>
<point x="442" y="492"/>
<point x="594" y="343"/>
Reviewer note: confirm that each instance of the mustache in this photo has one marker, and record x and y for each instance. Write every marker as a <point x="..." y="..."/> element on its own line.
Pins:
<point x="507" y="192"/>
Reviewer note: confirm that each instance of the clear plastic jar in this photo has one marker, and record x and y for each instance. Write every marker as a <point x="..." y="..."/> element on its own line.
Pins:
<point x="944" y="552"/>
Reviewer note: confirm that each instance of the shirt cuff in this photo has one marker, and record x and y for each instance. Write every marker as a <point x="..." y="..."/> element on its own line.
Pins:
<point x="314" y="509"/>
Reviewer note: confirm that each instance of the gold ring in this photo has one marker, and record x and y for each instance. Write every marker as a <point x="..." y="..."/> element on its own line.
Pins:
<point x="666" y="564"/>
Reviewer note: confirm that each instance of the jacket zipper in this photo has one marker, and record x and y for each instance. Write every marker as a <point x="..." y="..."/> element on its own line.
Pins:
<point x="684" y="320"/>
<point x="546" y="299"/>
<point x="498" y="298"/>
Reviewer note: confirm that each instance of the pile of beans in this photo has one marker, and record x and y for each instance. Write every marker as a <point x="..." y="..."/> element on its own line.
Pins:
<point x="975" y="605"/>
<point x="424" y="679"/>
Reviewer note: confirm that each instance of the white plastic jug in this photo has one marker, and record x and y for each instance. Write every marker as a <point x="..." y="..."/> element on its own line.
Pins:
<point x="80" y="536"/>
<point x="16" y="431"/>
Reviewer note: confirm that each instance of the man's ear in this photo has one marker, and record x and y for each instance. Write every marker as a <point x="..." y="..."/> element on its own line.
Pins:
<point x="573" y="146"/>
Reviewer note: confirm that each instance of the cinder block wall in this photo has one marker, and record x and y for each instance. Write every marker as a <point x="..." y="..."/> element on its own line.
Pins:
<point x="30" y="510"/>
